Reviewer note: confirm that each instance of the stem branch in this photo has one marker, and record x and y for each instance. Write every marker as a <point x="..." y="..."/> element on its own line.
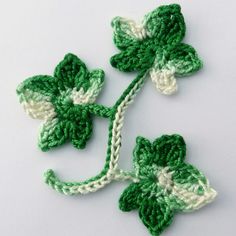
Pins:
<point x="100" y="110"/>
<point x="110" y="171"/>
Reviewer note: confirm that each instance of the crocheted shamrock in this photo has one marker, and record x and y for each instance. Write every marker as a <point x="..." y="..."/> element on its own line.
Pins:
<point x="61" y="102"/>
<point x="155" y="46"/>
<point x="162" y="182"/>
<point x="165" y="184"/>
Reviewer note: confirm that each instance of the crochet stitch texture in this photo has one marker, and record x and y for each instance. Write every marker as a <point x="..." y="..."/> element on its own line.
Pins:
<point x="162" y="182"/>
<point x="61" y="102"/>
<point x="166" y="184"/>
<point x="155" y="46"/>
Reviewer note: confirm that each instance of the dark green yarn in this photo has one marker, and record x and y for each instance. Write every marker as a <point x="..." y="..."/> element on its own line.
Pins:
<point x="161" y="48"/>
<point x="166" y="24"/>
<point x="71" y="72"/>
<point x="129" y="199"/>
<point x="161" y="178"/>
<point x="139" y="56"/>
<point x="50" y="177"/>
<point x="156" y="203"/>
<point x="155" y="216"/>
<point x="74" y="120"/>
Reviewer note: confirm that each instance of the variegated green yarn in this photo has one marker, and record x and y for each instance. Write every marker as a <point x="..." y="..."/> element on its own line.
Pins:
<point x="61" y="101"/>
<point x="155" y="46"/>
<point x="162" y="182"/>
<point x="165" y="184"/>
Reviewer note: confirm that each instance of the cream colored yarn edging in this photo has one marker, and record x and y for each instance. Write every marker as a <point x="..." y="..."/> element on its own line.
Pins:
<point x="162" y="183"/>
<point x="110" y="171"/>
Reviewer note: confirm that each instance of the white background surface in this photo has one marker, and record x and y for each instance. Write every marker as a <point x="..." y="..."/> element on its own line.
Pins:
<point x="34" y="37"/>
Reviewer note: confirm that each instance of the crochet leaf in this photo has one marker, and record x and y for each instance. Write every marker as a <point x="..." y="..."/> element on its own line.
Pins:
<point x="169" y="150"/>
<point x="155" y="46"/>
<point x="126" y="32"/>
<point x="187" y="173"/>
<point x="155" y="216"/>
<point x="129" y="198"/>
<point x="52" y="134"/>
<point x="70" y="71"/>
<point x="192" y="187"/>
<point x="36" y="95"/>
<point x="184" y="59"/>
<point x="137" y="57"/>
<point x="143" y="156"/>
<point x="165" y="184"/>
<point x="43" y="84"/>
<point x="166" y="24"/>
<point x="80" y="131"/>
<point x="61" y="101"/>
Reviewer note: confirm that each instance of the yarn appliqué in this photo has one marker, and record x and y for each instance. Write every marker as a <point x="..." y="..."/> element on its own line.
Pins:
<point x="165" y="184"/>
<point x="61" y="101"/>
<point x="155" y="45"/>
<point x="162" y="182"/>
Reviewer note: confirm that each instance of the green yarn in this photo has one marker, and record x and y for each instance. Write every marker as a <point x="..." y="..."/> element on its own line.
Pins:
<point x="155" y="216"/>
<point x="166" y="183"/>
<point x="155" y="45"/>
<point x="64" y="102"/>
<point x="162" y="182"/>
<point x="110" y="170"/>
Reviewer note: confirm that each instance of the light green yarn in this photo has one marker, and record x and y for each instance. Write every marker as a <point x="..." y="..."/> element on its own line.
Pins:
<point x="64" y="102"/>
<point x="162" y="182"/>
<point x="166" y="183"/>
<point x="155" y="45"/>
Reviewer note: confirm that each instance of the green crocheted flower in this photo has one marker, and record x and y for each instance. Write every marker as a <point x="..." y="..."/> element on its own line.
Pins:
<point x="61" y="102"/>
<point x="155" y="46"/>
<point x="165" y="184"/>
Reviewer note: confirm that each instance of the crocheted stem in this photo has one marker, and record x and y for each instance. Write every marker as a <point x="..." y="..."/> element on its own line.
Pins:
<point x="110" y="171"/>
<point x="100" y="110"/>
<point x="122" y="175"/>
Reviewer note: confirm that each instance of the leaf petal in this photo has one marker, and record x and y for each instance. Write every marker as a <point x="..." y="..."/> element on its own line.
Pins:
<point x="70" y="72"/>
<point x="126" y="32"/>
<point x="53" y="133"/>
<point x="38" y="107"/>
<point x="137" y="57"/>
<point x="184" y="60"/>
<point x="96" y="79"/>
<point x="143" y="156"/>
<point x="164" y="80"/>
<point x="156" y="216"/>
<point x="166" y="24"/>
<point x="170" y="150"/>
<point x="36" y="95"/>
<point x="191" y="187"/>
<point x="41" y="84"/>
<point x="186" y="173"/>
<point x="89" y="89"/>
<point x="80" y="131"/>
<point x="129" y="199"/>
